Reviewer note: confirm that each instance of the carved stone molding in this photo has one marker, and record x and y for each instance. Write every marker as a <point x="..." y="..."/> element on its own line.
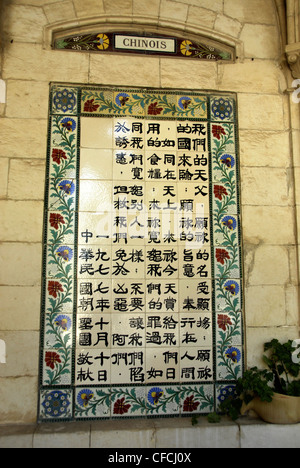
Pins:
<point x="293" y="58"/>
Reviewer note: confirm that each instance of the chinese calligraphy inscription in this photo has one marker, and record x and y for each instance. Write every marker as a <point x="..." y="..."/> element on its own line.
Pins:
<point x="142" y="293"/>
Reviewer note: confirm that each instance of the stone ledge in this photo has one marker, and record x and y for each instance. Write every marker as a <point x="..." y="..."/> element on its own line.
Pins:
<point x="154" y="434"/>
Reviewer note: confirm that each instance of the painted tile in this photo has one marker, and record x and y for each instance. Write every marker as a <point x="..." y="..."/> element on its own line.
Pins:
<point x="191" y="106"/>
<point x="196" y="399"/>
<point x="160" y="104"/>
<point x="222" y="108"/>
<point x="128" y="103"/>
<point x="60" y="227"/>
<point x="92" y="403"/>
<point x="128" y="402"/>
<point x="227" y="262"/>
<point x="229" y="362"/>
<point x="64" y="100"/>
<point x="95" y="101"/>
<point x="60" y="262"/>
<point x="56" y="404"/>
<point x="62" y="195"/>
<point x="57" y="365"/>
<point x="163" y="400"/>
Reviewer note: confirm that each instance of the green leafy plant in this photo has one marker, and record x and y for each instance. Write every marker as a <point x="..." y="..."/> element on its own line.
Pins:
<point x="284" y="370"/>
<point x="280" y="377"/>
<point x="254" y="383"/>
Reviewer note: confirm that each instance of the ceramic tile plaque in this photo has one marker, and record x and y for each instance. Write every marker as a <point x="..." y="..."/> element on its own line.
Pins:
<point x="142" y="280"/>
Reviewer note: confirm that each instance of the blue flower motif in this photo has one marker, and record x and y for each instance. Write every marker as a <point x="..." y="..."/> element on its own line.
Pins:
<point x="68" y="124"/>
<point x="67" y="186"/>
<point x="64" y="100"/>
<point x="64" y="252"/>
<point x="154" y="395"/>
<point x="121" y="99"/>
<point x="184" y="102"/>
<point x="227" y="392"/>
<point x="229" y="222"/>
<point x="232" y="287"/>
<point x="64" y="322"/>
<point x="56" y="403"/>
<point x="222" y="108"/>
<point x="228" y="160"/>
<point x="234" y="354"/>
<point x="84" y="396"/>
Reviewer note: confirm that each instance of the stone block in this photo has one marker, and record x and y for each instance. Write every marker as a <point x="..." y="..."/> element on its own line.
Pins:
<point x="202" y="75"/>
<point x="292" y="305"/>
<point x="269" y="266"/>
<point x="44" y="65"/>
<point x="271" y="230"/>
<point x="216" y="5"/>
<point x="63" y="11"/>
<point x="201" y="16"/>
<point x="4" y="165"/>
<point x="253" y="11"/>
<point x="23" y="21"/>
<point x="72" y="435"/>
<point x="136" y="72"/>
<point x="18" y="400"/>
<point x="118" y="7"/>
<point x="26" y="179"/>
<point x="19" y="308"/>
<point x="265" y="306"/>
<point x="265" y="186"/>
<point x="276" y="436"/>
<point x="204" y="435"/>
<point x="146" y="8"/>
<point x="27" y="99"/>
<point x="258" y="336"/>
<point x="22" y="264"/>
<point x="17" y="437"/>
<point x="265" y="148"/>
<point x="258" y="76"/>
<point x="173" y="11"/>
<point x="129" y="434"/>
<point x="21" y="221"/>
<point x="21" y="138"/>
<point x="22" y="349"/>
<point x="261" y="112"/>
<point x="232" y="26"/>
<point x="88" y="8"/>
<point x="260" y="41"/>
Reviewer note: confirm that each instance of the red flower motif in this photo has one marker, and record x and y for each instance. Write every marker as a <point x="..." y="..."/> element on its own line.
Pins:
<point x="56" y="219"/>
<point x="223" y="321"/>
<point x="120" y="407"/>
<point x="217" y="131"/>
<point x="58" y="155"/>
<point x="51" y="359"/>
<point x="219" y="191"/>
<point x="89" y="106"/>
<point x="222" y="255"/>
<point x="54" y="287"/>
<point x="190" y="405"/>
<point x="154" y="110"/>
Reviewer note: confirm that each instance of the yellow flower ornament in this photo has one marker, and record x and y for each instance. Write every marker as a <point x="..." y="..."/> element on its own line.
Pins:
<point x="185" y="47"/>
<point x="103" y="41"/>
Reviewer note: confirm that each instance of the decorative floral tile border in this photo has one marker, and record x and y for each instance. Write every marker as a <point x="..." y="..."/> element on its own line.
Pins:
<point x="61" y="397"/>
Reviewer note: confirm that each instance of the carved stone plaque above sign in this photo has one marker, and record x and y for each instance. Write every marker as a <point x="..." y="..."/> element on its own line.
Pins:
<point x="147" y="44"/>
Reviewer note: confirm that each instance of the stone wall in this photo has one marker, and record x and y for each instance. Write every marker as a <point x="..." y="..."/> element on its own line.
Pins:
<point x="269" y="150"/>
